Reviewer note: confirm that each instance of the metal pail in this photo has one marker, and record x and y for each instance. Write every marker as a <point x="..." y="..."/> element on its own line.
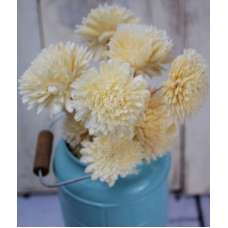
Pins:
<point x="136" y="200"/>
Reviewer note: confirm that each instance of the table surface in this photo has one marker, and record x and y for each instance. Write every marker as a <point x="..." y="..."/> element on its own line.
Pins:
<point x="44" y="210"/>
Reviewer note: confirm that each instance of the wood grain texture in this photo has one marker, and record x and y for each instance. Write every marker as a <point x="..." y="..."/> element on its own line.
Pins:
<point x="187" y="24"/>
<point x="197" y="140"/>
<point x="45" y="211"/>
<point x="29" y="124"/>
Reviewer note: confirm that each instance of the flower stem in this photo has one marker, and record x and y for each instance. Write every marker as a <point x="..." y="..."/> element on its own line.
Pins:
<point x="155" y="91"/>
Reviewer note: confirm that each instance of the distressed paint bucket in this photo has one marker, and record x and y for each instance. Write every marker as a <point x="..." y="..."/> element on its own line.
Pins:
<point x="136" y="200"/>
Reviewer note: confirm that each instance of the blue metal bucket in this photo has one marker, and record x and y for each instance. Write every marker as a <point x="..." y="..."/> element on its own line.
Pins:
<point x="136" y="200"/>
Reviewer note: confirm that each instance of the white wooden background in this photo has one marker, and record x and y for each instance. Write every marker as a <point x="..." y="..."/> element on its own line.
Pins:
<point x="42" y="22"/>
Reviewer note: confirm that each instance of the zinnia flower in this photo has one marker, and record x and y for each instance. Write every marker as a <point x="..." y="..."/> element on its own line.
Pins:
<point x="109" y="157"/>
<point x="98" y="27"/>
<point x="111" y="100"/>
<point x="73" y="131"/>
<point x="145" y="48"/>
<point x="47" y="82"/>
<point x="155" y="132"/>
<point x="186" y="86"/>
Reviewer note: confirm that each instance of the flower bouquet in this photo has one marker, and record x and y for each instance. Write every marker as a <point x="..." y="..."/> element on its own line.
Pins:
<point x="115" y="118"/>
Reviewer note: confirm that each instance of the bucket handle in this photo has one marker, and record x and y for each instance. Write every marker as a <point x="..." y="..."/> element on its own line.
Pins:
<point x="42" y="160"/>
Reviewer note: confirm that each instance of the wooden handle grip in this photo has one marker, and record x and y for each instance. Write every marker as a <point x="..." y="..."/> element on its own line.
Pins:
<point x="43" y="153"/>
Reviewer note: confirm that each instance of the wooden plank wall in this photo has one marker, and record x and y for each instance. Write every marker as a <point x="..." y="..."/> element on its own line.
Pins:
<point x="29" y="123"/>
<point x="197" y="140"/>
<point x="187" y="24"/>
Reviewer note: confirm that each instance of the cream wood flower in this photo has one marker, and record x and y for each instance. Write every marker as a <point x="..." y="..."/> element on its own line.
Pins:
<point x="155" y="132"/>
<point x="98" y="27"/>
<point x="108" y="158"/>
<point x="110" y="100"/>
<point x="144" y="47"/>
<point x="187" y="84"/>
<point x="73" y="131"/>
<point x="46" y="84"/>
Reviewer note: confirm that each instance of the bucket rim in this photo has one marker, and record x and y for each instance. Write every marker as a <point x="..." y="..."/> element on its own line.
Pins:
<point x="71" y="156"/>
